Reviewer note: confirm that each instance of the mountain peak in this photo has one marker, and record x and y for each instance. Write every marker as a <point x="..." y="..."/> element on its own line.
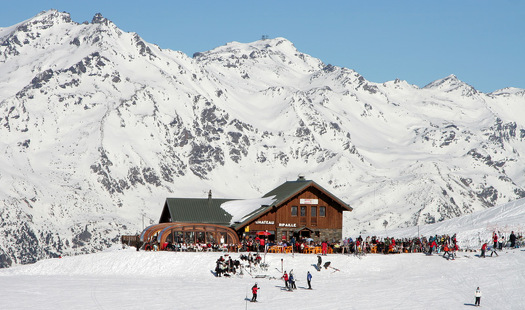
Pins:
<point x="51" y="15"/>
<point x="281" y="44"/>
<point x="99" y="19"/>
<point x="41" y="21"/>
<point x="451" y="83"/>
<point x="264" y="53"/>
<point x="449" y="80"/>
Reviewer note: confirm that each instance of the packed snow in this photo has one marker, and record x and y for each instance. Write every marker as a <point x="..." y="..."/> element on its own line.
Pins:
<point x="126" y="279"/>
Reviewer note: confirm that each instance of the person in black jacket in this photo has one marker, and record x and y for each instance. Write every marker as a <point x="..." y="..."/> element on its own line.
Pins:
<point x="512" y="240"/>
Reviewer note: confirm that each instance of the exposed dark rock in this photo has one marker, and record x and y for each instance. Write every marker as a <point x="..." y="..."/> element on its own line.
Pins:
<point x="75" y="41"/>
<point x="42" y="78"/>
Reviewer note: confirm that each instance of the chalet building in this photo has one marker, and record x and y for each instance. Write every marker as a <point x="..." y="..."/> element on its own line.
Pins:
<point x="298" y="208"/>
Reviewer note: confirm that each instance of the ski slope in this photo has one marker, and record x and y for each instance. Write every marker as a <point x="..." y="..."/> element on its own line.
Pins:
<point x="126" y="279"/>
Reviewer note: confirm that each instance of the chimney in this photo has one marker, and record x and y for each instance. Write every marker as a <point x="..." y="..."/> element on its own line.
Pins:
<point x="209" y="195"/>
<point x="300" y="177"/>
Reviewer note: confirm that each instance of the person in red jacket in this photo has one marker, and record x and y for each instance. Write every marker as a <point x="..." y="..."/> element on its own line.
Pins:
<point x="432" y="246"/>
<point x="254" y="292"/>
<point x="483" y="249"/>
<point x="495" y="239"/>
<point x="285" y="278"/>
<point x="446" y="251"/>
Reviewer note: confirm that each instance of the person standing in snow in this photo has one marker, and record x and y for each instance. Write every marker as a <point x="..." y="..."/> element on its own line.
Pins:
<point x="285" y="278"/>
<point x="309" y="279"/>
<point x="319" y="261"/>
<point x="455" y="249"/>
<point x="254" y="292"/>
<point x="433" y="245"/>
<point x="478" y="297"/>
<point x="446" y="251"/>
<point x="512" y="239"/>
<point x="495" y="239"/>
<point x="292" y="281"/>
<point x="493" y="251"/>
<point x="483" y="249"/>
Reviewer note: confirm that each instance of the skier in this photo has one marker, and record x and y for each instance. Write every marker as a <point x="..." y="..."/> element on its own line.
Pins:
<point x="309" y="279"/>
<point x="326" y="265"/>
<point x="478" y="297"/>
<point x="292" y="281"/>
<point x="285" y="278"/>
<point x="319" y="261"/>
<point x="254" y="292"/>
<point x="483" y="249"/>
<point x="493" y="251"/>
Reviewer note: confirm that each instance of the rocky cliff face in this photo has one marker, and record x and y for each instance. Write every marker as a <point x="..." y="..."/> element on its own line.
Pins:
<point x="98" y="127"/>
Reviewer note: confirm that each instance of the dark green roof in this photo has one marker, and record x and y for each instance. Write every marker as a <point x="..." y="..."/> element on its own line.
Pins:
<point x="286" y="190"/>
<point x="198" y="210"/>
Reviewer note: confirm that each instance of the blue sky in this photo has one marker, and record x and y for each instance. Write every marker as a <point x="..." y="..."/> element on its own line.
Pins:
<point x="481" y="42"/>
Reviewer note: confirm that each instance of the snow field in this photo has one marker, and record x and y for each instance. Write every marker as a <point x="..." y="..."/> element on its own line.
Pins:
<point x="127" y="279"/>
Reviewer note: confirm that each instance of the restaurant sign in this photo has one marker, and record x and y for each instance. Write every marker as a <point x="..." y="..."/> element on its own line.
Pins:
<point x="265" y="222"/>
<point x="309" y="201"/>
<point x="287" y="225"/>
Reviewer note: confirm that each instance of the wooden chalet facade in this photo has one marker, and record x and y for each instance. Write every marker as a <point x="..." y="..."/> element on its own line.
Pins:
<point x="300" y="208"/>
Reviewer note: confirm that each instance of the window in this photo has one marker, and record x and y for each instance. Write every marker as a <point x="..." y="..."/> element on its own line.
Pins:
<point x="322" y="211"/>
<point x="303" y="211"/>
<point x="313" y="215"/>
<point x="294" y="210"/>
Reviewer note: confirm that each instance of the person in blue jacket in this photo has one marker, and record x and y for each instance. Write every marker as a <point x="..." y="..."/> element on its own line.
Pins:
<point x="291" y="278"/>
<point x="309" y="279"/>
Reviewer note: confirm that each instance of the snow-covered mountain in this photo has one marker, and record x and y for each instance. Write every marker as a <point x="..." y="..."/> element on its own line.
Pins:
<point x="98" y="127"/>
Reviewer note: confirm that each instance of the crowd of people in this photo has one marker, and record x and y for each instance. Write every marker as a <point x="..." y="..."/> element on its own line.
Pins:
<point x="388" y="245"/>
<point x="437" y="244"/>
